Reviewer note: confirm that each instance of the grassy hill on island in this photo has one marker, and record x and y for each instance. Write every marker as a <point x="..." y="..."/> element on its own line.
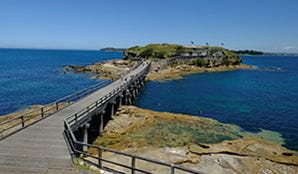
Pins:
<point x="204" y="56"/>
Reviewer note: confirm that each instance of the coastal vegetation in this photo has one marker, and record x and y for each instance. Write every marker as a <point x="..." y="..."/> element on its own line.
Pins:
<point x="171" y="61"/>
<point x="160" y="51"/>
<point x="200" y="62"/>
<point x="164" y="51"/>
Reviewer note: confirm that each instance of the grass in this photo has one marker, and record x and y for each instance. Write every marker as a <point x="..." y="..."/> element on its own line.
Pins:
<point x="163" y="51"/>
<point x="158" y="50"/>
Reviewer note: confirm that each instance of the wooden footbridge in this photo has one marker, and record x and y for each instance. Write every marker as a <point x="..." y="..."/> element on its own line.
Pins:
<point x="48" y="139"/>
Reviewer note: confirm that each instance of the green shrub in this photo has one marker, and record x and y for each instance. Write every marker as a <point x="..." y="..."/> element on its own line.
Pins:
<point x="200" y="62"/>
<point x="180" y="49"/>
<point x="160" y="54"/>
<point x="147" y="53"/>
<point x="213" y="50"/>
<point x="232" y="58"/>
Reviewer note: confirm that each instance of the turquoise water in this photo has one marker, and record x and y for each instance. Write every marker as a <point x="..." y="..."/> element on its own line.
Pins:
<point x="29" y="77"/>
<point x="264" y="98"/>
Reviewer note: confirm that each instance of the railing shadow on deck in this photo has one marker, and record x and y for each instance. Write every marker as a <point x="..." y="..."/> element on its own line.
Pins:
<point x="76" y="147"/>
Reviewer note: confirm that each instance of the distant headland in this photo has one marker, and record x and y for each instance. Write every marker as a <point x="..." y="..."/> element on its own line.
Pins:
<point x="111" y="49"/>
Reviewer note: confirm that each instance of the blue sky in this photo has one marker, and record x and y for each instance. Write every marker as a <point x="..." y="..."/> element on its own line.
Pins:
<point x="269" y="25"/>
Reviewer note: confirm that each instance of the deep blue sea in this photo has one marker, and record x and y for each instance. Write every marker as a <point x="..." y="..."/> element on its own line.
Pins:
<point x="264" y="98"/>
<point x="29" y="77"/>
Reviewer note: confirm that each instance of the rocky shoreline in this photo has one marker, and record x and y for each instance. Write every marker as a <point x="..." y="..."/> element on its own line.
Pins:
<point x="110" y="70"/>
<point x="178" y="71"/>
<point x="113" y="69"/>
<point x="195" y="142"/>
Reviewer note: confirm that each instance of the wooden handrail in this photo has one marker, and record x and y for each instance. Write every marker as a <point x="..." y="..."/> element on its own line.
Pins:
<point x="42" y="112"/>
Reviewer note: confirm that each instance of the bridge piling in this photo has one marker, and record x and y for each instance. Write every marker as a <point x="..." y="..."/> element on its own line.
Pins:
<point x="101" y="126"/>
<point x="85" y="136"/>
<point x="120" y="101"/>
<point x="112" y="109"/>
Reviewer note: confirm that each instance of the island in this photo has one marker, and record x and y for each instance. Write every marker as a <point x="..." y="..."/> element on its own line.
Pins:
<point x="169" y="61"/>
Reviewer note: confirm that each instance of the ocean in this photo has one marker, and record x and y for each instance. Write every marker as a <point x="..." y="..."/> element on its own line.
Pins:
<point x="263" y="98"/>
<point x="29" y="77"/>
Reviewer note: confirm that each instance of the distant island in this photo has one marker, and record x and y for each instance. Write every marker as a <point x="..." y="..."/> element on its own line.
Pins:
<point x="111" y="49"/>
<point x="280" y="54"/>
<point x="248" y="52"/>
<point x="261" y="53"/>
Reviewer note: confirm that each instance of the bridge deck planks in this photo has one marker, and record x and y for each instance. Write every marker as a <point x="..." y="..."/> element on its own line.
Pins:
<point x="41" y="147"/>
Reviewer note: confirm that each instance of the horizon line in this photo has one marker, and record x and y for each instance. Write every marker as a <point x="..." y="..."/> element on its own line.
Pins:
<point x="99" y="49"/>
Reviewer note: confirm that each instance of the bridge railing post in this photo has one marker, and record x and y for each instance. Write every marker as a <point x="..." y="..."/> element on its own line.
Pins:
<point x="172" y="169"/>
<point x="99" y="157"/>
<point x="42" y="113"/>
<point x="22" y="119"/>
<point x="76" y="119"/>
<point x="133" y="165"/>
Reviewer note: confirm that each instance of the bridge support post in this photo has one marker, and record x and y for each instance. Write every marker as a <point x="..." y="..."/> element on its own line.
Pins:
<point x="85" y="139"/>
<point x="142" y="83"/>
<point x="133" y="93"/>
<point x="127" y="97"/>
<point x="112" y="109"/>
<point x="101" y="114"/>
<point x="120" y="101"/>
<point x="137" y="89"/>
<point x="129" y="100"/>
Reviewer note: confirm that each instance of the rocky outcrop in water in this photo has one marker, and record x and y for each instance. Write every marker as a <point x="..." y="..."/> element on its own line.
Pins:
<point x="195" y="142"/>
<point x="103" y="70"/>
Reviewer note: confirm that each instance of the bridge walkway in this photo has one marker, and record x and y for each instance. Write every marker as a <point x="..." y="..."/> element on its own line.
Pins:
<point x="41" y="147"/>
